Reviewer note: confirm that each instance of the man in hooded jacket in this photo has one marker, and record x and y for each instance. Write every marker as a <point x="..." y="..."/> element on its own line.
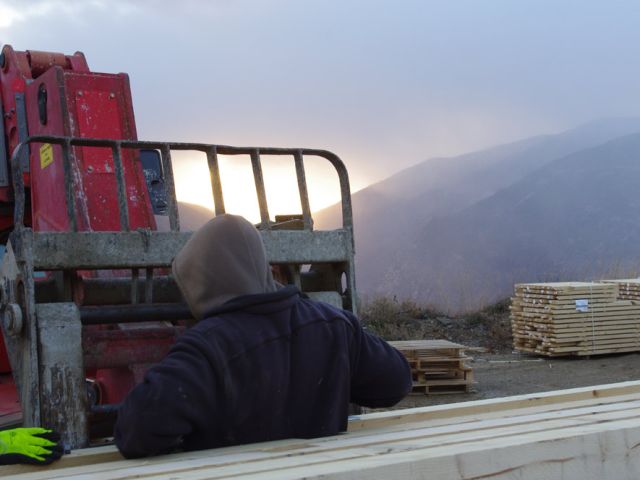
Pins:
<point x="262" y="363"/>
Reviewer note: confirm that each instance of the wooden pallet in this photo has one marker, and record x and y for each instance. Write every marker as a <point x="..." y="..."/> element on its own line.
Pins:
<point x="574" y="318"/>
<point x="437" y="366"/>
<point x="442" y="387"/>
<point x="579" y="434"/>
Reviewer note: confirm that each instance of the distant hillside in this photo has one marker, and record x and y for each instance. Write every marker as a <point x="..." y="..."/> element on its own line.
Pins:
<point x="193" y="216"/>
<point x="577" y="217"/>
<point x="391" y="216"/>
<point x="442" y="185"/>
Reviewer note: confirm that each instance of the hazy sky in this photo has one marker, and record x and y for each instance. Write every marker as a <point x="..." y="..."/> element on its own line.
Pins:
<point x="384" y="84"/>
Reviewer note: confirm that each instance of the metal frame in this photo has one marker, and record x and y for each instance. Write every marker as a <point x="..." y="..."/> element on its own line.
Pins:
<point x="212" y="152"/>
<point x="47" y="376"/>
<point x="283" y="246"/>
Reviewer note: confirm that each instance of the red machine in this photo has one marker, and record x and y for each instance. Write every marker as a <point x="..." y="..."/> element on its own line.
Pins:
<point x="86" y="301"/>
<point x="44" y="93"/>
<point x="54" y="94"/>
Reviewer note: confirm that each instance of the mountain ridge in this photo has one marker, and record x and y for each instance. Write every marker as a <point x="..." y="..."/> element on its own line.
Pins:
<point x="576" y="217"/>
<point x="388" y="223"/>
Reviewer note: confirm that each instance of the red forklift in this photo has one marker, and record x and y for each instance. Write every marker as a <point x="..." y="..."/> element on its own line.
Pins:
<point x="87" y="301"/>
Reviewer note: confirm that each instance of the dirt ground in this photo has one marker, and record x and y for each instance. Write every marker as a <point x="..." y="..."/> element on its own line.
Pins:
<point x="498" y="370"/>
<point x="500" y="375"/>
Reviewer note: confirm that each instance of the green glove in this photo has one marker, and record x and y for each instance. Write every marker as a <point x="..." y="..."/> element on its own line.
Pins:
<point x="36" y="446"/>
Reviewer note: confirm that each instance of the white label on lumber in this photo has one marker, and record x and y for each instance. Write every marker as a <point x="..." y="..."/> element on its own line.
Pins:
<point x="582" y="305"/>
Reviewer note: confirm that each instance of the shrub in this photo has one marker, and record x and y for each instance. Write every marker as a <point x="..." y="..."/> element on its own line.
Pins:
<point x="406" y="320"/>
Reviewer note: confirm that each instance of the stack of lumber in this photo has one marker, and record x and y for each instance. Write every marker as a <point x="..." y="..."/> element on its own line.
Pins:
<point x="628" y="288"/>
<point x="573" y="318"/>
<point x="580" y="434"/>
<point x="437" y="366"/>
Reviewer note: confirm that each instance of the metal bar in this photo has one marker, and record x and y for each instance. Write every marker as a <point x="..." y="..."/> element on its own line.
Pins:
<point x="117" y="291"/>
<point x="23" y="130"/>
<point x="343" y="178"/>
<point x="18" y="186"/>
<point x="142" y="312"/>
<point x="123" y="205"/>
<point x="4" y="159"/>
<point x="203" y="147"/>
<point x="113" y="250"/>
<point x="105" y="250"/>
<point x="148" y="285"/>
<point x="216" y="184"/>
<point x="69" y="185"/>
<point x="23" y="349"/>
<point x="305" y="246"/>
<point x="166" y="147"/>
<point x="174" y="221"/>
<point x="67" y="285"/>
<point x="260" y="191"/>
<point x="106" y="408"/>
<point x="302" y="188"/>
<point x="62" y="389"/>
<point x="135" y="274"/>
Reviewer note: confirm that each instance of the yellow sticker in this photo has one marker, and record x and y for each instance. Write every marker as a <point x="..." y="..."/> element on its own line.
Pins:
<point x="46" y="155"/>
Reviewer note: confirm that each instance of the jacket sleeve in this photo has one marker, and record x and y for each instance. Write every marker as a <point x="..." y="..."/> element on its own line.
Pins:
<point x="169" y="403"/>
<point x="382" y="376"/>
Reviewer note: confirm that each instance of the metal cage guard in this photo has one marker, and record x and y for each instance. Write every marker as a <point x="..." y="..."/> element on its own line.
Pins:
<point x="212" y="152"/>
<point x="97" y="250"/>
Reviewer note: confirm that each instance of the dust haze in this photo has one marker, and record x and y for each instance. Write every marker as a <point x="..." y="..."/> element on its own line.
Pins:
<point x="388" y="86"/>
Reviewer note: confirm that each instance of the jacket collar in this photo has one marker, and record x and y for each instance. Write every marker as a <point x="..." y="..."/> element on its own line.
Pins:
<point x="262" y="303"/>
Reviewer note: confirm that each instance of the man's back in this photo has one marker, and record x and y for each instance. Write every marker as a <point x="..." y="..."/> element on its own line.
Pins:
<point x="264" y="367"/>
<point x="263" y="363"/>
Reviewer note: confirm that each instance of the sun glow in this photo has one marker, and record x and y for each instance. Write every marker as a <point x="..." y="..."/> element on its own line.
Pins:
<point x="193" y="184"/>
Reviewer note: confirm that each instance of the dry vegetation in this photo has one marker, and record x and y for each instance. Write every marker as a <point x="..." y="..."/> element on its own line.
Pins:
<point x="489" y="327"/>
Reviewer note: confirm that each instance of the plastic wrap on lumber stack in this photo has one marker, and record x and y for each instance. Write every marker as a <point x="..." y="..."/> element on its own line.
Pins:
<point x="588" y="433"/>
<point x="573" y="318"/>
<point x="437" y="366"/>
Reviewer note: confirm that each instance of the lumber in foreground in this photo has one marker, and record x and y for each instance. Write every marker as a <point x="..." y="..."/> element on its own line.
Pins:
<point x="581" y="434"/>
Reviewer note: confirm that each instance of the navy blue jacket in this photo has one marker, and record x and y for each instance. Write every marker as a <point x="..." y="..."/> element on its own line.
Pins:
<point x="261" y="367"/>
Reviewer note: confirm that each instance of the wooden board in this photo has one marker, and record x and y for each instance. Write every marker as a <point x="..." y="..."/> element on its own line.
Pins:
<point x="578" y="434"/>
<point x="425" y="345"/>
<point x="553" y="299"/>
<point x="562" y="324"/>
<point x="575" y="317"/>
<point x="565" y="287"/>
<point x="518" y="304"/>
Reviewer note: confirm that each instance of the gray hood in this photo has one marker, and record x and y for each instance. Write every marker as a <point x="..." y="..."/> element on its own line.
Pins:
<point x="222" y="260"/>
